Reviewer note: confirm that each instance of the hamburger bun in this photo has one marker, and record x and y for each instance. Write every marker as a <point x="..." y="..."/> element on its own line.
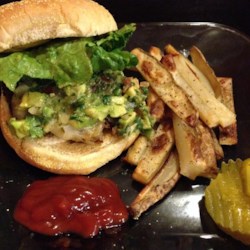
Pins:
<point x="27" y="23"/>
<point x="58" y="156"/>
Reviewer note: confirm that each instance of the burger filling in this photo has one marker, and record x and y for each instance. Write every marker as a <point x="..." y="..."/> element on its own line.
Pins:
<point x="76" y="89"/>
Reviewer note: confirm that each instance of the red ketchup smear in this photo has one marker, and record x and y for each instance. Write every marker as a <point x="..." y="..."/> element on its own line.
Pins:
<point x="72" y="204"/>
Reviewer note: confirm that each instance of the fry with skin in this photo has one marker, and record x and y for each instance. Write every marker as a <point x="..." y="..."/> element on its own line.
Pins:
<point x="205" y="113"/>
<point x="169" y="49"/>
<point x="155" y="154"/>
<point x="163" y="84"/>
<point x="228" y="135"/>
<point x="158" y="187"/>
<point x="219" y="153"/>
<point x="208" y="151"/>
<point x="195" y="149"/>
<point x="201" y="63"/>
<point x="223" y="90"/>
<point x="225" y="116"/>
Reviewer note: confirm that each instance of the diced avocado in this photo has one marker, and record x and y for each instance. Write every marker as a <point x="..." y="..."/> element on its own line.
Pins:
<point x="146" y="123"/>
<point x="33" y="99"/>
<point x="75" y="90"/>
<point x="20" y="127"/>
<point x="128" y="118"/>
<point x="117" y="111"/>
<point x="131" y="92"/>
<point x="99" y="112"/>
<point x="118" y="100"/>
<point x="29" y="126"/>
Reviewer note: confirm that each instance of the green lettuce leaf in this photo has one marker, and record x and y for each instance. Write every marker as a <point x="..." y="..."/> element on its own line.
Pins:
<point x="63" y="62"/>
<point x="115" y="60"/>
<point x="107" y="53"/>
<point x="117" y="39"/>
<point x="16" y="65"/>
<point x="69" y="61"/>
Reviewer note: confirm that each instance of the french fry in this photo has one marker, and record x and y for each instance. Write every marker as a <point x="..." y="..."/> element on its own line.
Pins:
<point x="195" y="149"/>
<point x="155" y="154"/>
<point x="173" y="80"/>
<point x="228" y="135"/>
<point x="223" y="91"/>
<point x="224" y="115"/>
<point x="203" y="81"/>
<point x="155" y="52"/>
<point x="219" y="153"/>
<point x="159" y="186"/>
<point x="156" y="105"/>
<point x="135" y="152"/>
<point x="207" y="150"/>
<point x="163" y="84"/>
<point x="204" y="110"/>
<point x="201" y="63"/>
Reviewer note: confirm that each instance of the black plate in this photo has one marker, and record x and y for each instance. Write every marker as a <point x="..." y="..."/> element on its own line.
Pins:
<point x="180" y="220"/>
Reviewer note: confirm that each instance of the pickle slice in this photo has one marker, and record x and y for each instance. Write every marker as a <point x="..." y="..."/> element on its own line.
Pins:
<point x="227" y="202"/>
<point x="245" y="175"/>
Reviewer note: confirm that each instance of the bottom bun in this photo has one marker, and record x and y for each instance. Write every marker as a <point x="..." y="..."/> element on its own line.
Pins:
<point x="58" y="156"/>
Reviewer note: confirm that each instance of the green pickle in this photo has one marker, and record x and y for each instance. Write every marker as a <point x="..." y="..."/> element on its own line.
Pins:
<point x="227" y="199"/>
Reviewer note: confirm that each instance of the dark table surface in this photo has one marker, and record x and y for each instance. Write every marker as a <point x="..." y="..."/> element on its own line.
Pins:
<point x="234" y="13"/>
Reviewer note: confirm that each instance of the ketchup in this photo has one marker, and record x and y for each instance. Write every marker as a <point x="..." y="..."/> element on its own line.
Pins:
<point x="71" y="204"/>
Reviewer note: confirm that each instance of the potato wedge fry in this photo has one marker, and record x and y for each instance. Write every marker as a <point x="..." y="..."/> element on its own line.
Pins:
<point x="225" y="116"/>
<point x="223" y="91"/>
<point x="201" y="63"/>
<point x="159" y="186"/>
<point x="163" y="84"/>
<point x="195" y="149"/>
<point x="135" y="152"/>
<point x="219" y="153"/>
<point x="155" y="154"/>
<point x="204" y="110"/>
<point x="204" y="82"/>
<point x="227" y="92"/>
<point x="155" y="52"/>
<point x="228" y="135"/>
<point x="156" y="105"/>
<point x="207" y="150"/>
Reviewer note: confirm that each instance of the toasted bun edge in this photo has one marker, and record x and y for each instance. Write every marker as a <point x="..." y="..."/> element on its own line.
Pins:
<point x="29" y="22"/>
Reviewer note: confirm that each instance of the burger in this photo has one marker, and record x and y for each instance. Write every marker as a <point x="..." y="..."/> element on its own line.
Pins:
<point x="66" y="105"/>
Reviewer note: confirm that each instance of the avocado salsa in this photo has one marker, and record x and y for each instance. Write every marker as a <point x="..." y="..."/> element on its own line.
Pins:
<point x="75" y="89"/>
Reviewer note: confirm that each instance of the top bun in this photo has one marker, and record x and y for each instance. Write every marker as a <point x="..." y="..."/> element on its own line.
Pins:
<point x="27" y="23"/>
